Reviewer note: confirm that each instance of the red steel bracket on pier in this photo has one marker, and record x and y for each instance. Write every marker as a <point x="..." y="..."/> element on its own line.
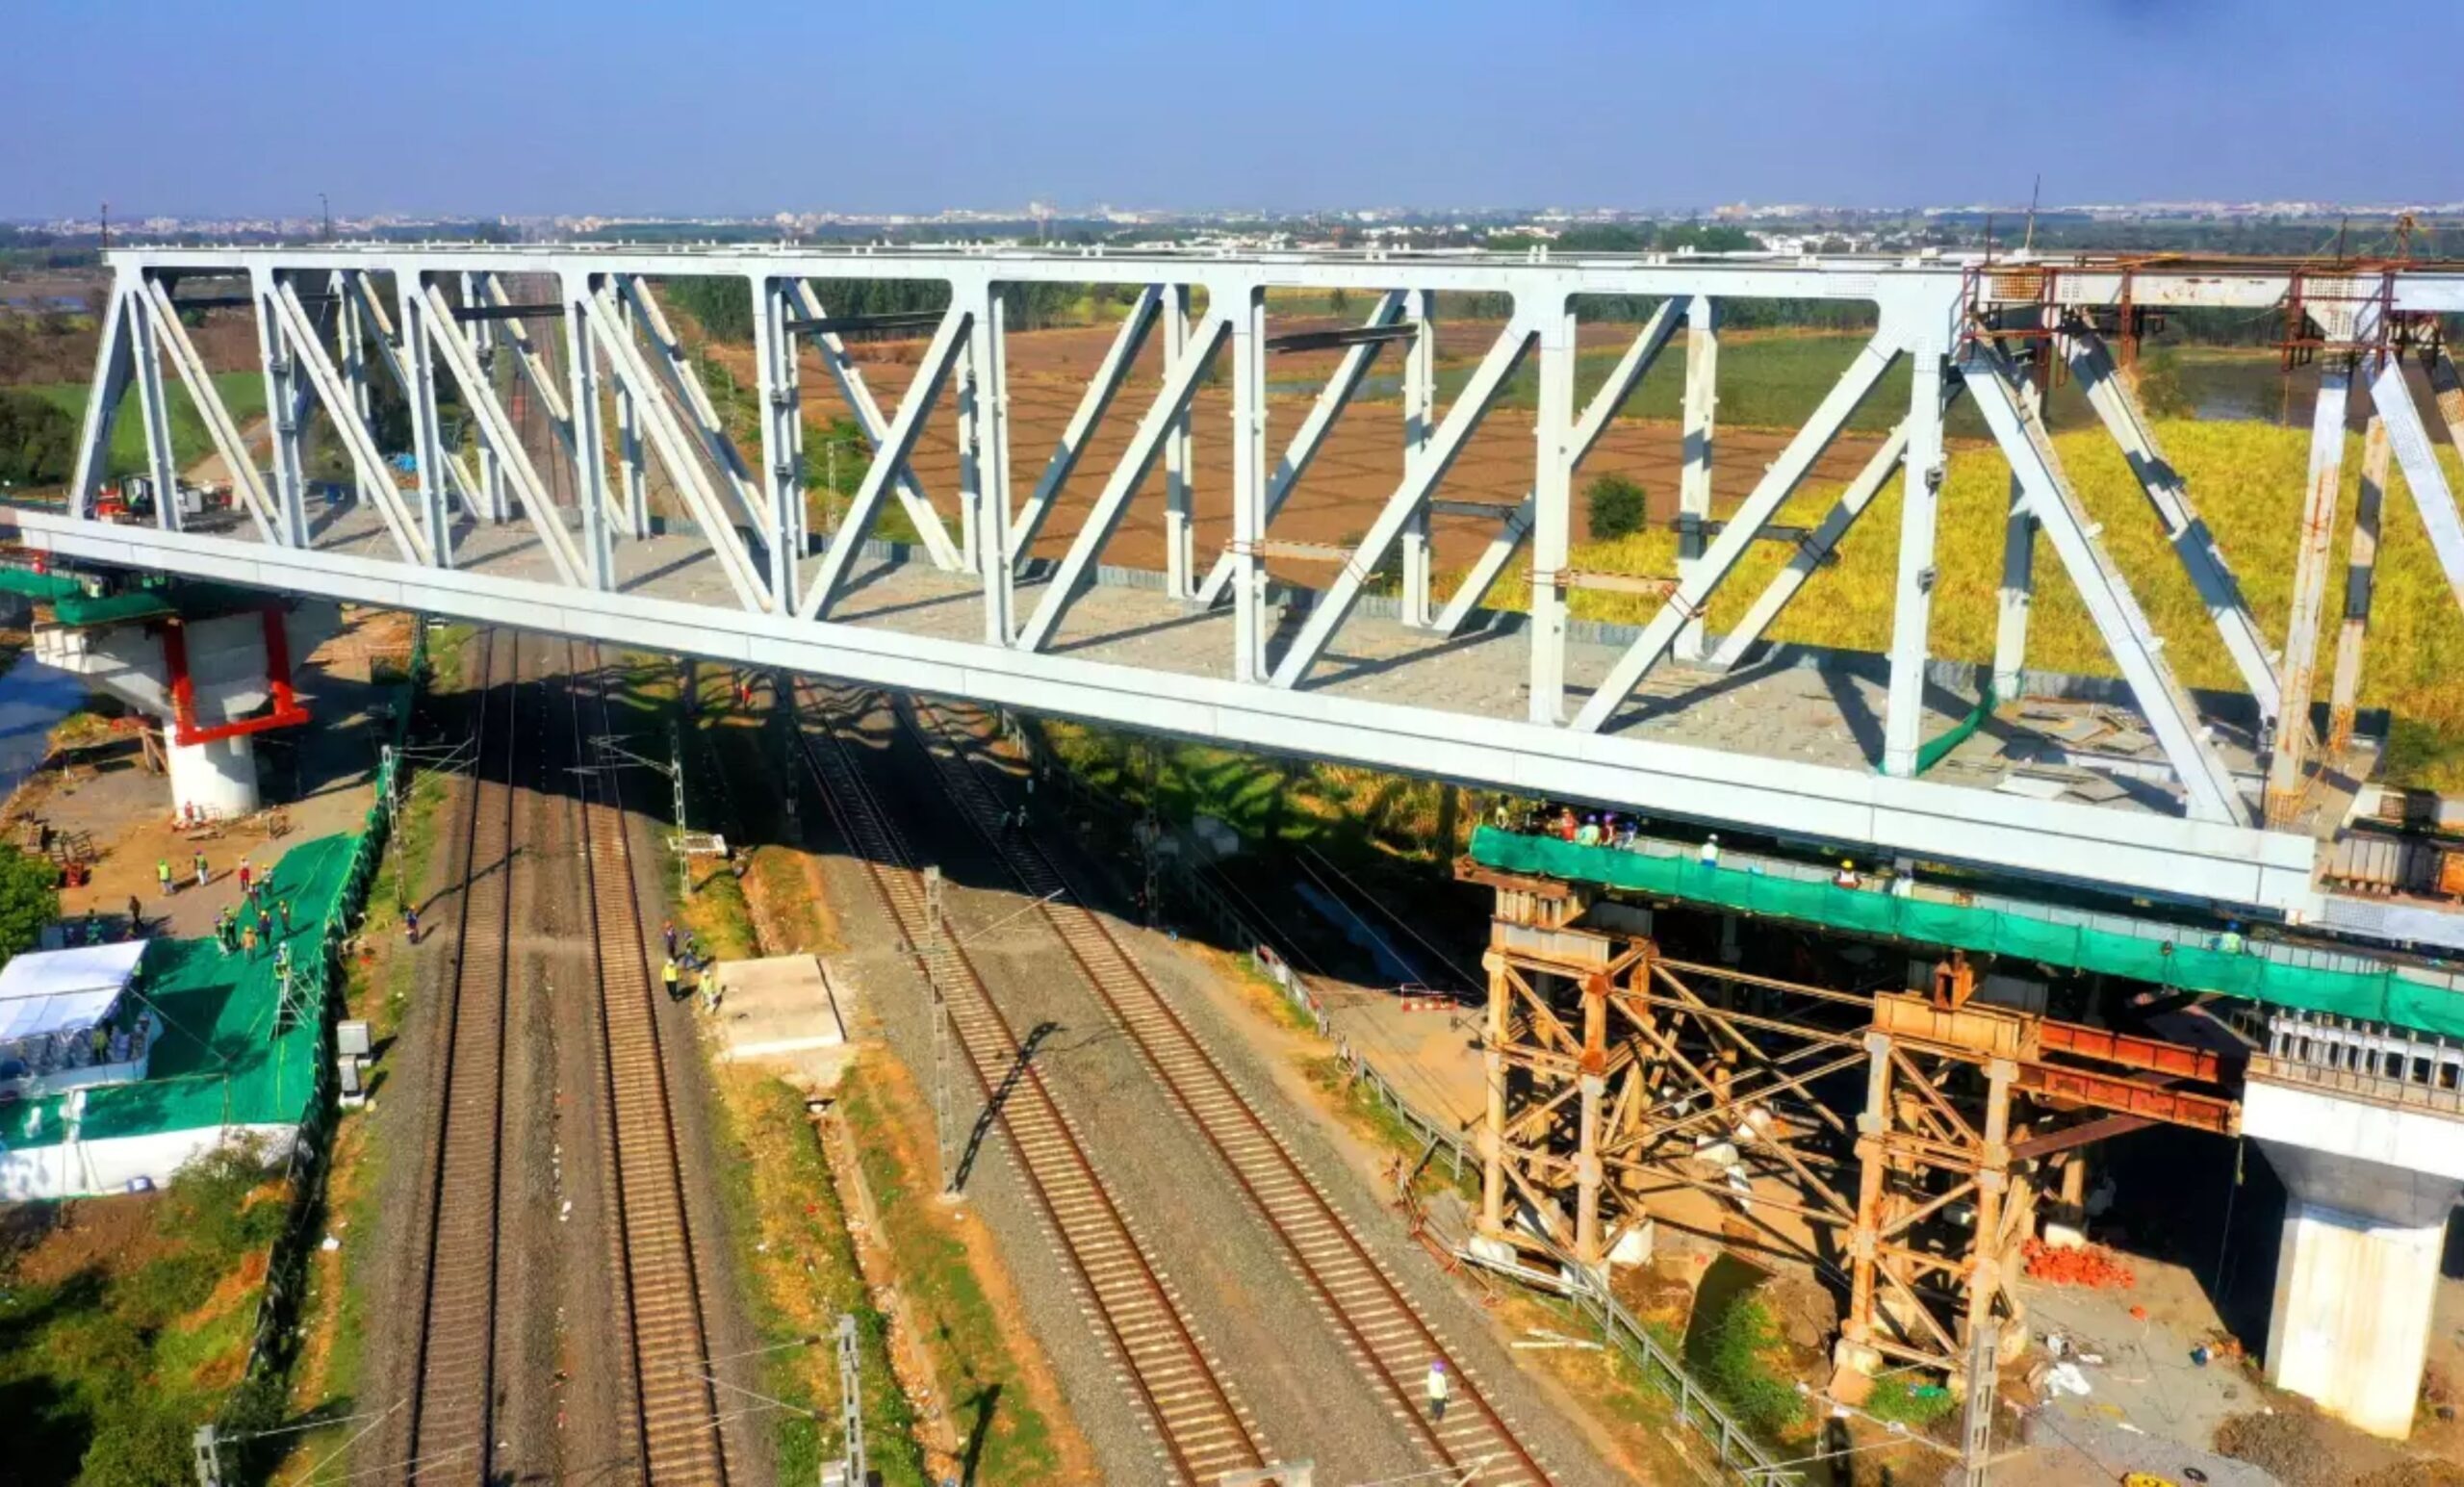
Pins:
<point x="285" y="711"/>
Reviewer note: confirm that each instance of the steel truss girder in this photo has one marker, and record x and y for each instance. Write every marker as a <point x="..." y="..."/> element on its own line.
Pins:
<point x="2288" y="780"/>
<point x="2424" y="480"/>
<point x="1814" y="550"/>
<point x="676" y="449"/>
<point x="2143" y="853"/>
<point x="889" y="459"/>
<point x="1161" y="421"/>
<point x="1776" y="484"/>
<point x="2186" y="531"/>
<point x="496" y="429"/>
<point x="527" y="361"/>
<point x="115" y="368"/>
<point x="2361" y="563"/>
<point x="1419" y="481"/>
<point x="153" y="406"/>
<point x="676" y="380"/>
<point x="2206" y="782"/>
<point x="781" y="436"/>
<point x="1328" y="406"/>
<point x="1515" y="523"/>
<point x="859" y="398"/>
<point x="1724" y="787"/>
<point x="228" y="441"/>
<point x="428" y="433"/>
<point x="1085" y="418"/>
<point x="360" y="300"/>
<point x="304" y="349"/>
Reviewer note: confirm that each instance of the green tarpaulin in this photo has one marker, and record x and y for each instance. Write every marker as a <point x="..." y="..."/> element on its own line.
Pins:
<point x="2189" y="964"/>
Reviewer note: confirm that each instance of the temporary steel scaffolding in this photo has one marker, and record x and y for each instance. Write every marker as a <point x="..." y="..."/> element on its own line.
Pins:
<point x="1625" y="1088"/>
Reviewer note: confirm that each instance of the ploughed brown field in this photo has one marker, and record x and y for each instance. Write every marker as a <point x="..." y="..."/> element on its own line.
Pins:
<point x="1356" y="469"/>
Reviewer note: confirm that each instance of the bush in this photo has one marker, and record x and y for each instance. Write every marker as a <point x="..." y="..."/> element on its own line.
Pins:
<point x="144" y="1443"/>
<point x="37" y="441"/>
<point x="1617" y="508"/>
<point x="28" y="900"/>
<point x="2159" y="384"/>
<point x="1735" y="1354"/>
<point x="207" y="1204"/>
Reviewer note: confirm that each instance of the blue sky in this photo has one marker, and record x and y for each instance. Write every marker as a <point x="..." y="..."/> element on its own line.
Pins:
<point x="560" y="106"/>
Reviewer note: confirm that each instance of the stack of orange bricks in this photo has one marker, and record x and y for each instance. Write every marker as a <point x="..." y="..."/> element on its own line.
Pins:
<point x="2089" y="1265"/>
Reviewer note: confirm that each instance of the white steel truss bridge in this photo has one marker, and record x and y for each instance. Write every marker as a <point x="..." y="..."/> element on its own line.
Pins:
<point x="572" y="469"/>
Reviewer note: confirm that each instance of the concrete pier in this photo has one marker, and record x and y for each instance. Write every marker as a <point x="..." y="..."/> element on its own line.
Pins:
<point x="207" y="679"/>
<point x="2372" y="1184"/>
<point x="217" y="779"/>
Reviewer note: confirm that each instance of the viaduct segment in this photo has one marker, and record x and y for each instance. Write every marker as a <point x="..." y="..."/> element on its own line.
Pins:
<point x="2015" y="834"/>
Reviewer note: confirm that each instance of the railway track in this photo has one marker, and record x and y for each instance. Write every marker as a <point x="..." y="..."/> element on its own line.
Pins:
<point x="1384" y="1331"/>
<point x="671" y="1398"/>
<point x="1201" y="1429"/>
<point x="453" y="1382"/>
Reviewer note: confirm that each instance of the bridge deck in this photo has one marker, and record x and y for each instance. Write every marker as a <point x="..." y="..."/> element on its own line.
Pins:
<point x="2092" y="752"/>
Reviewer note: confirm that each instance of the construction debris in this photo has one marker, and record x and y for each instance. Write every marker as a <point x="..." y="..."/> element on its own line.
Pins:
<point x="2091" y="1266"/>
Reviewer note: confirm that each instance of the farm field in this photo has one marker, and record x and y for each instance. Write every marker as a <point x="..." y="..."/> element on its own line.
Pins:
<point x="243" y="393"/>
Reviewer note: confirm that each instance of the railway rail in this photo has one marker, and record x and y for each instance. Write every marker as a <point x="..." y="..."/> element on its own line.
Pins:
<point x="672" y="1397"/>
<point x="1202" y="1429"/>
<point x="452" y="1390"/>
<point x="1385" y="1331"/>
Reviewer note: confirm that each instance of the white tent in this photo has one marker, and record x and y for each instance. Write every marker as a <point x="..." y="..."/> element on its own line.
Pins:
<point x="64" y="990"/>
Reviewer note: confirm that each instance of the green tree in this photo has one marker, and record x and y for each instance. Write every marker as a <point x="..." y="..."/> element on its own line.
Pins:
<point x="722" y="307"/>
<point x="29" y="899"/>
<point x="37" y="441"/>
<point x="140" y="1442"/>
<point x="2160" y="384"/>
<point x="1617" y="507"/>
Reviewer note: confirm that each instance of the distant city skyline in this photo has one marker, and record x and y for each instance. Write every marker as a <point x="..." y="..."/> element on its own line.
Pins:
<point x="572" y="107"/>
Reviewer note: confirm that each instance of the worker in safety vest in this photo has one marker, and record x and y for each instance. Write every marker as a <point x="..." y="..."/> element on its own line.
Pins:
<point x="669" y="976"/>
<point x="162" y="875"/>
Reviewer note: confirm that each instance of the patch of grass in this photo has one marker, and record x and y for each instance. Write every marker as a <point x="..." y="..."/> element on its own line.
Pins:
<point x="793" y="1248"/>
<point x="242" y="393"/>
<point x="106" y="1372"/>
<point x="1912" y="1404"/>
<point x="1361" y="1109"/>
<point x="970" y="1349"/>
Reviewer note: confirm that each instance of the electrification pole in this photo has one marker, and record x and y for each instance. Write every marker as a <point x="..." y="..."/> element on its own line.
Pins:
<point x="935" y="945"/>
<point x="850" y="1404"/>
<point x="1977" y="1433"/>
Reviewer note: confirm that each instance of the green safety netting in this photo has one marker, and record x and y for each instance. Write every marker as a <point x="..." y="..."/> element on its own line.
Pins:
<point x="44" y="586"/>
<point x="224" y="1053"/>
<point x="220" y="1057"/>
<point x="2187" y="963"/>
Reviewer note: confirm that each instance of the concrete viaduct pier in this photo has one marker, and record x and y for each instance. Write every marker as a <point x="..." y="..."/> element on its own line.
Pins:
<point x="212" y="665"/>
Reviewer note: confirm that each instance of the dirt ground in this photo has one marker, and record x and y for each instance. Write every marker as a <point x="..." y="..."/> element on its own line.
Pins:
<point x="43" y="1242"/>
<point x="1356" y="468"/>
<point x="319" y="774"/>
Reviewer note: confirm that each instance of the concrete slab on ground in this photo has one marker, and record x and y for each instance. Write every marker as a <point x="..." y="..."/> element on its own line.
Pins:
<point x="784" y="1012"/>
